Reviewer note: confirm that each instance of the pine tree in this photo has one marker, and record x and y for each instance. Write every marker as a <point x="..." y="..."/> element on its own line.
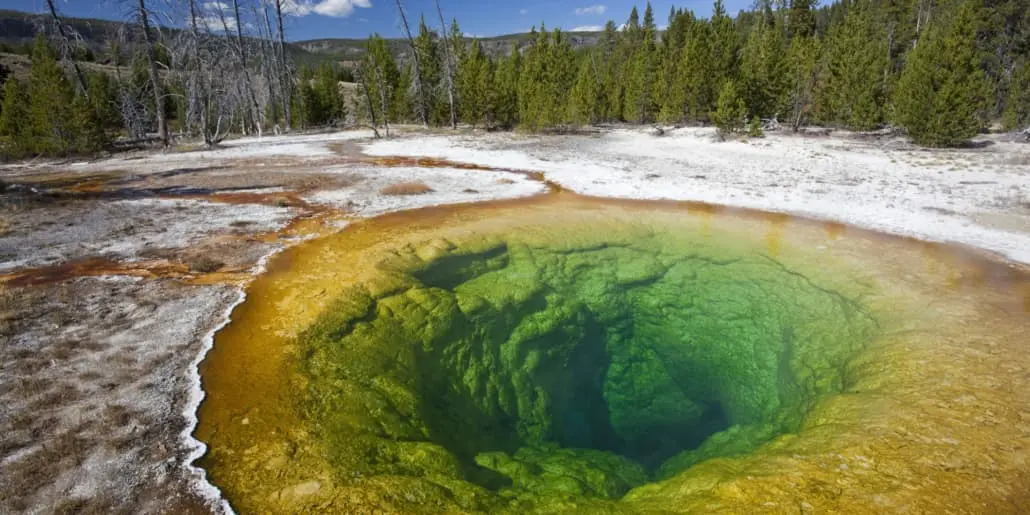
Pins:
<point x="803" y="67"/>
<point x="475" y="82"/>
<point x="380" y="75"/>
<point x="532" y="80"/>
<point x="723" y="51"/>
<point x="51" y="95"/>
<point x="15" y="139"/>
<point x="943" y="90"/>
<point x="730" y="109"/>
<point x="695" y="94"/>
<point x="763" y="71"/>
<point x="88" y="128"/>
<point x="561" y="74"/>
<point x="506" y="83"/>
<point x="431" y="66"/>
<point x="854" y="92"/>
<point x="585" y="100"/>
<point x="801" y="19"/>
<point x="611" y="87"/>
<point x="1017" y="108"/>
<point x="641" y="74"/>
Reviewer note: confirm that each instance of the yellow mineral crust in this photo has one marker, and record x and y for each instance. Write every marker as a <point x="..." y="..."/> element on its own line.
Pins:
<point x="932" y="416"/>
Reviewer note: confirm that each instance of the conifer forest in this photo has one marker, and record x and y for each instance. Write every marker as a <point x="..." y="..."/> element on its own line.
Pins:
<point x="940" y="71"/>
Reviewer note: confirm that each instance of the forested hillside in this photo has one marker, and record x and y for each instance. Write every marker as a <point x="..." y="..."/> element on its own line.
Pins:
<point x="939" y="70"/>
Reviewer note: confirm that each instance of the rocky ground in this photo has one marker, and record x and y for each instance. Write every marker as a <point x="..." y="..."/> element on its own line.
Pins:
<point x="115" y="272"/>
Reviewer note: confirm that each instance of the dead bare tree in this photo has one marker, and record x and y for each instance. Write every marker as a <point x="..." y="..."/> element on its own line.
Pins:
<point x="285" y="80"/>
<point x="420" y="96"/>
<point x="197" y="84"/>
<point x="235" y="41"/>
<point x="450" y="68"/>
<point x="129" y="107"/>
<point x="241" y="46"/>
<point x="66" y="45"/>
<point x="270" y="65"/>
<point x="359" y="75"/>
<point x="142" y="16"/>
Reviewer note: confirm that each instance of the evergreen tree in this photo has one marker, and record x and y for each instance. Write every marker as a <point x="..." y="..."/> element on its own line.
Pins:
<point x="730" y="110"/>
<point x="723" y="51"/>
<point x="547" y="75"/>
<point x="585" y="102"/>
<point x="854" y="92"/>
<point x="763" y="71"/>
<point x="15" y="140"/>
<point x="531" y="80"/>
<point x="402" y="106"/>
<point x="87" y="127"/>
<point x="475" y="83"/>
<point x="431" y="66"/>
<point x="1017" y="108"/>
<point x="803" y="66"/>
<point x="51" y="123"/>
<point x="611" y="87"/>
<point x="381" y="77"/>
<point x="694" y="94"/>
<point x="801" y="22"/>
<point x="320" y="98"/>
<point x="941" y="97"/>
<point x="505" y="90"/>
<point x="641" y="74"/>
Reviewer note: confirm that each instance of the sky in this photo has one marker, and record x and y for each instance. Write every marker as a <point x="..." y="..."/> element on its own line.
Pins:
<point x="317" y="19"/>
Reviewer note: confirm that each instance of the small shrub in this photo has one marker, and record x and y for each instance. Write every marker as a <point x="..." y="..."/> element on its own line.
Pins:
<point x="730" y="110"/>
<point x="406" y="188"/>
<point x="754" y="128"/>
<point x="206" y="265"/>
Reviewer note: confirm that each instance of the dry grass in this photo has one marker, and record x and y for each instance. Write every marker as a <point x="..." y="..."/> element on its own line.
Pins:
<point x="407" y="188"/>
<point x="205" y="265"/>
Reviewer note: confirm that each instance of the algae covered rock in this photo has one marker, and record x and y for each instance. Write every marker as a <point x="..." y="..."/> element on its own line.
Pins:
<point x="540" y="372"/>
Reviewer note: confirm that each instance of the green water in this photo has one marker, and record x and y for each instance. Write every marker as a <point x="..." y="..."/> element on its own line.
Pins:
<point x="526" y="373"/>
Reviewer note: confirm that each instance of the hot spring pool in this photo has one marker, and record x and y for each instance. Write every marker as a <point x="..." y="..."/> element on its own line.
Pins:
<point x="565" y="354"/>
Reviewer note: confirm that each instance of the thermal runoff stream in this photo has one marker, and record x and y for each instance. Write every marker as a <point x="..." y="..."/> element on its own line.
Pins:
<point x="567" y="354"/>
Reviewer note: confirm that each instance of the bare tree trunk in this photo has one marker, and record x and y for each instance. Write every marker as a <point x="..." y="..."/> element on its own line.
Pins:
<point x="285" y="81"/>
<point x="199" y="91"/>
<point x="271" y="65"/>
<point x="450" y="66"/>
<point x="67" y="41"/>
<point x="159" y="98"/>
<point x="241" y="54"/>
<point x="368" y="103"/>
<point x="420" y="104"/>
<point x="384" y="104"/>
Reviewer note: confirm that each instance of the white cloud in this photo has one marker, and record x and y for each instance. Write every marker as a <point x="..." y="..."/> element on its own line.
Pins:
<point x="217" y="17"/>
<point x="592" y="9"/>
<point x="336" y="8"/>
<point x="523" y="11"/>
<point x="587" y="28"/>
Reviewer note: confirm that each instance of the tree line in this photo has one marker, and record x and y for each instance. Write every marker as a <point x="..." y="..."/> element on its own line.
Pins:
<point x="940" y="70"/>
<point x="224" y="70"/>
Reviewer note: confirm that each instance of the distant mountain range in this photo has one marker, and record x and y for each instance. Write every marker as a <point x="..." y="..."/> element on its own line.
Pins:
<point x="17" y="30"/>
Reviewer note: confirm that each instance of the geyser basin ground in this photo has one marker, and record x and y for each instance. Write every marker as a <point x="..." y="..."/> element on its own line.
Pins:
<point x="563" y="354"/>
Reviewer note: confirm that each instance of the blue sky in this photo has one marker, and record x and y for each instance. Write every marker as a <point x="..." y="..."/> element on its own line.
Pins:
<point x="314" y="19"/>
